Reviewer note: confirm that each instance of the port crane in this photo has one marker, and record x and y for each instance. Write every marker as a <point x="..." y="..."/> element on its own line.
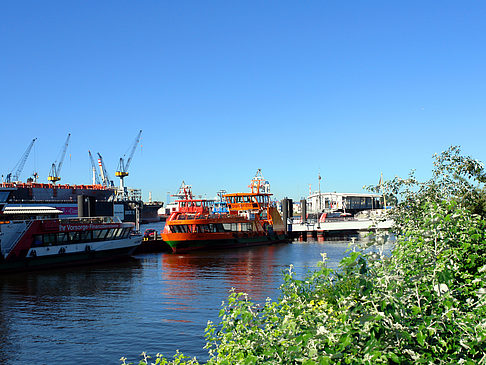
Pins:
<point x="123" y="166"/>
<point x="105" y="178"/>
<point x="96" y="176"/>
<point x="19" y="166"/>
<point x="56" y="169"/>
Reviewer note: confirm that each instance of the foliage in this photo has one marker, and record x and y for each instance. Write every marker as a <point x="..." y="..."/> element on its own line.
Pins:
<point x="426" y="303"/>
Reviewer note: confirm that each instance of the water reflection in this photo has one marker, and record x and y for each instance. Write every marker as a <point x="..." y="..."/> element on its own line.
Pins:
<point x="249" y="270"/>
<point x="47" y="311"/>
<point x="157" y="302"/>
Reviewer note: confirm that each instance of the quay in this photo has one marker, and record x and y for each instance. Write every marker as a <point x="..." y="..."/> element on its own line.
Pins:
<point x="323" y="224"/>
<point x="339" y="227"/>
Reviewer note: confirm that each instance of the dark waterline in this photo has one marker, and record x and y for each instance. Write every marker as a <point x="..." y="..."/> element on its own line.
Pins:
<point x="156" y="302"/>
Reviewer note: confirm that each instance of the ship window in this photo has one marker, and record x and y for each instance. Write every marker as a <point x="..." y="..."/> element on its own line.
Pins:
<point x="109" y="235"/>
<point x="62" y="238"/>
<point x="216" y="227"/>
<point x="99" y="234"/>
<point x="74" y="236"/>
<point x="38" y="240"/>
<point x="50" y="238"/>
<point x="234" y="227"/>
<point x="125" y="232"/>
<point x="204" y="228"/>
<point x="227" y="227"/>
<point x="85" y="236"/>
<point x="117" y="233"/>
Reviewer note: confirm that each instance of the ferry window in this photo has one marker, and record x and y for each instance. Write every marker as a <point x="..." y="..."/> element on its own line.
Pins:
<point x="216" y="227"/>
<point x="205" y="228"/>
<point x="126" y="232"/>
<point x="109" y="236"/>
<point x="85" y="236"/>
<point x="227" y="227"/>
<point x="97" y="233"/>
<point x="117" y="233"/>
<point x="234" y="227"/>
<point x="38" y="240"/>
<point x="62" y="238"/>
<point x="50" y="238"/>
<point x="74" y="236"/>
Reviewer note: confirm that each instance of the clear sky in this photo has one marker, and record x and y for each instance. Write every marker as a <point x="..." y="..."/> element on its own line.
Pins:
<point x="347" y="89"/>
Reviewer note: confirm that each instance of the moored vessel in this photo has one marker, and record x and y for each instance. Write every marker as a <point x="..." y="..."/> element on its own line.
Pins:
<point x="35" y="238"/>
<point x="252" y="219"/>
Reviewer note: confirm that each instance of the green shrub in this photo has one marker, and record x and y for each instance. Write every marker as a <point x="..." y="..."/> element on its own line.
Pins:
<point x="423" y="304"/>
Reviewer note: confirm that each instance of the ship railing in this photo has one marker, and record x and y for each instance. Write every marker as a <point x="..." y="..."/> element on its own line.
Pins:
<point x="98" y="220"/>
<point x="6" y="251"/>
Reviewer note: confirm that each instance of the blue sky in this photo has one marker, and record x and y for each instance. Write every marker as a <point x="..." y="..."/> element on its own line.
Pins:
<point x="222" y="88"/>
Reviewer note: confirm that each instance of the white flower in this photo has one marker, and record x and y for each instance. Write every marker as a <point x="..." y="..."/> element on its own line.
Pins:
<point x="441" y="288"/>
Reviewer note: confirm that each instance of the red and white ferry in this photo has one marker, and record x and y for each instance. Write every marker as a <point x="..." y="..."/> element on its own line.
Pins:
<point x="34" y="238"/>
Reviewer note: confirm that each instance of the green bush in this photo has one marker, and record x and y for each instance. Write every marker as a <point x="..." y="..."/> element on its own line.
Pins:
<point x="425" y="303"/>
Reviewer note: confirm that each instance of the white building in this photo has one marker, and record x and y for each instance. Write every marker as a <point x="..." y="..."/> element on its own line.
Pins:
<point x="345" y="202"/>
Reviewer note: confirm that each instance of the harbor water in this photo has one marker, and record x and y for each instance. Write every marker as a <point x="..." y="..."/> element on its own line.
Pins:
<point x="155" y="302"/>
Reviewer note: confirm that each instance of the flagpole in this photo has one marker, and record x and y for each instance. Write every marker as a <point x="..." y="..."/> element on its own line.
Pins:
<point x="382" y="190"/>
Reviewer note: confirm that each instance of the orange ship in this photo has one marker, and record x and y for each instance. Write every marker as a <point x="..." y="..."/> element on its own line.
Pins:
<point x="252" y="219"/>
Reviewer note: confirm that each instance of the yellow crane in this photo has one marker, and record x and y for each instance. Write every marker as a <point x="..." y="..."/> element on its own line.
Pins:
<point x="123" y="166"/>
<point x="54" y="175"/>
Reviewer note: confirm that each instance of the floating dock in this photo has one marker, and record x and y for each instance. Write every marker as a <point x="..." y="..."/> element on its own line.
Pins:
<point x="339" y="227"/>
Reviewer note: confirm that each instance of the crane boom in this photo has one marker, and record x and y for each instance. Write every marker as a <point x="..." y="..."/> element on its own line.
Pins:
<point x="63" y="154"/>
<point x="103" y="172"/>
<point x="19" y="166"/>
<point x="56" y="170"/>
<point x="96" y="177"/>
<point x="123" y="166"/>
<point x="135" y="143"/>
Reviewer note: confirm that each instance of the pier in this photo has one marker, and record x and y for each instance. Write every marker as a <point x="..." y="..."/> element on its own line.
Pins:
<point x="334" y="228"/>
<point x="322" y="226"/>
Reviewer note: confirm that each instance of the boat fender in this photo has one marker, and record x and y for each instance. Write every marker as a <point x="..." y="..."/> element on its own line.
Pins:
<point x="87" y="248"/>
<point x="33" y="253"/>
<point x="62" y="250"/>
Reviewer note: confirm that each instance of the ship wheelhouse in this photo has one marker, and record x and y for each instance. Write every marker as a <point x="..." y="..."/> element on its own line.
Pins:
<point x="247" y="201"/>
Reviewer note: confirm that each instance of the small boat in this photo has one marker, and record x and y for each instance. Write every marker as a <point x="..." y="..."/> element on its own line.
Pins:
<point x="252" y="219"/>
<point x="36" y="238"/>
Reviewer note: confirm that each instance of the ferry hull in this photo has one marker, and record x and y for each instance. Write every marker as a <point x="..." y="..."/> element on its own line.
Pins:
<point x="67" y="259"/>
<point x="190" y="244"/>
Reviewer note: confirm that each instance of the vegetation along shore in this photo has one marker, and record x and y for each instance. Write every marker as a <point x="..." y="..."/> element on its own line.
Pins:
<point x="425" y="303"/>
